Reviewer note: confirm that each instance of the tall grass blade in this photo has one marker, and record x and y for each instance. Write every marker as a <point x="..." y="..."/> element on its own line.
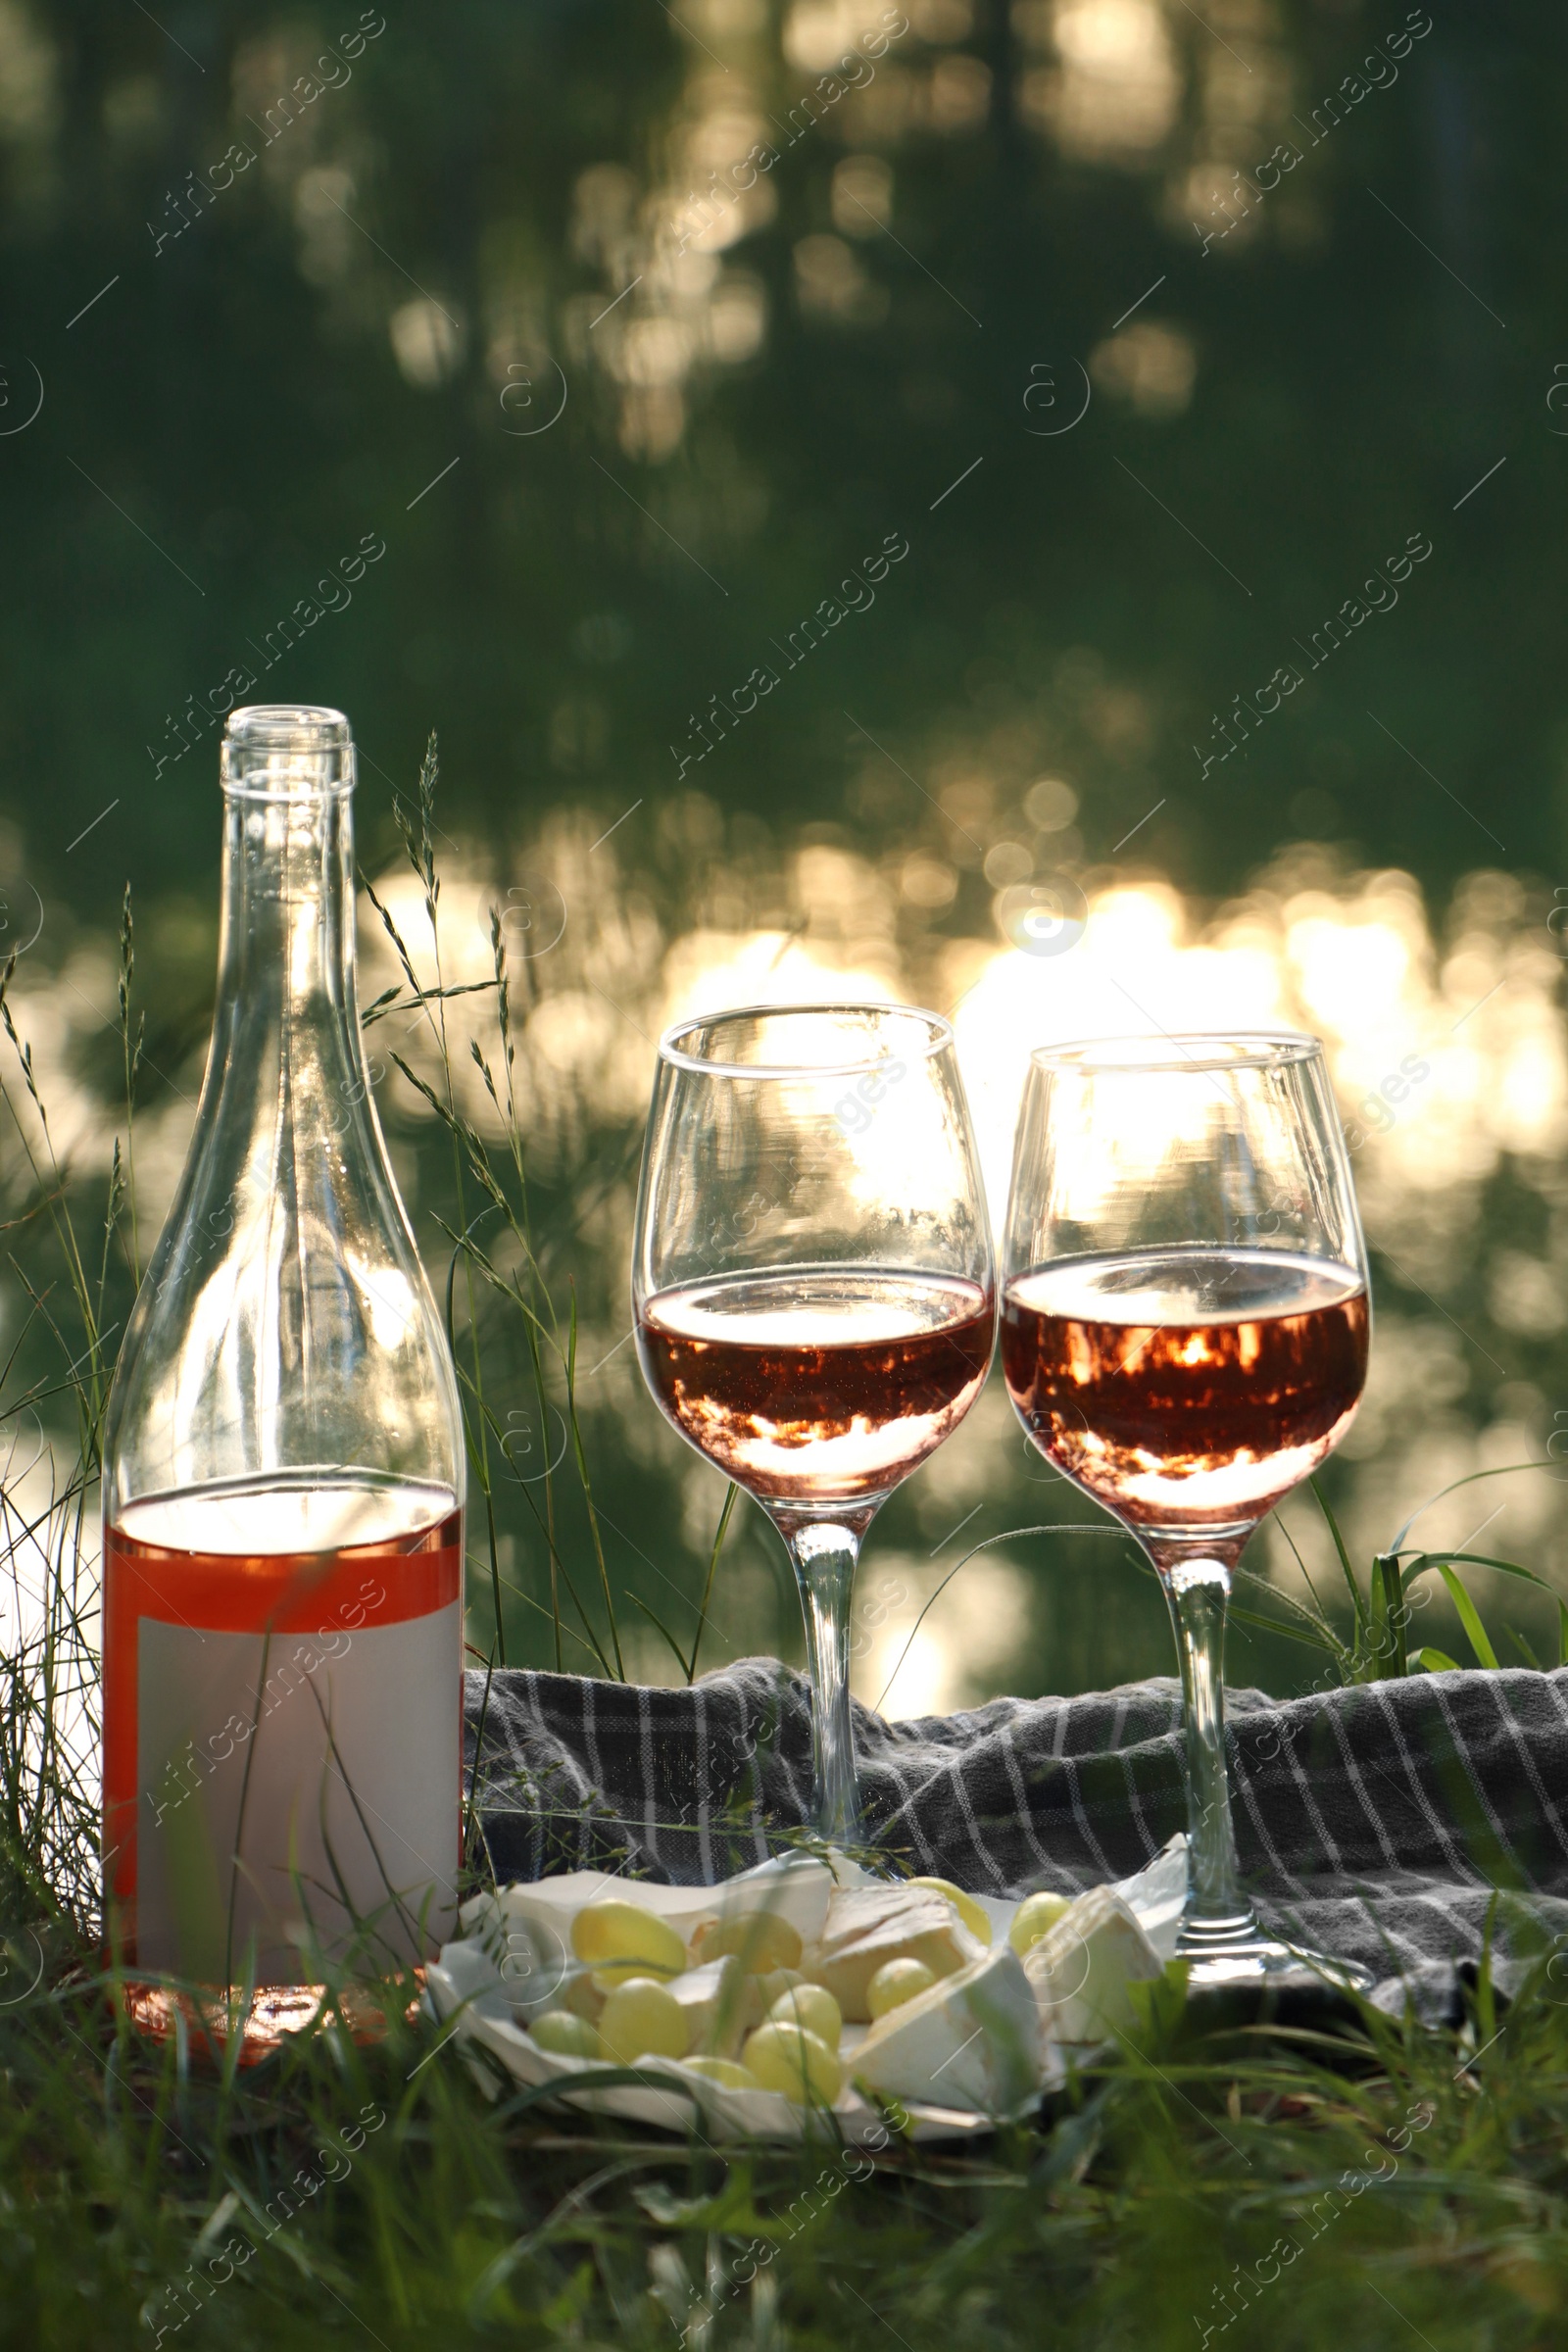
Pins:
<point x="1469" y="1618"/>
<point x="1388" y="1588"/>
<point x="730" y="1502"/>
<point x="1357" y="1604"/>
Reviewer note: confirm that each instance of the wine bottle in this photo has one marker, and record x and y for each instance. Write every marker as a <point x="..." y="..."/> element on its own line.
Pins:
<point x="283" y="1472"/>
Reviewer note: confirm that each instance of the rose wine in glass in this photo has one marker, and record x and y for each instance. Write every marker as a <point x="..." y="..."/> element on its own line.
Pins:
<point x="1208" y="1381"/>
<point x="813" y="1287"/>
<point x="822" y="1385"/>
<point x="1184" y="1334"/>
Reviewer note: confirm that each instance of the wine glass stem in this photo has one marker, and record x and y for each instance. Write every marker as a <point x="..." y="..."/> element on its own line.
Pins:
<point x="1198" y="1592"/>
<point x="824" y="1555"/>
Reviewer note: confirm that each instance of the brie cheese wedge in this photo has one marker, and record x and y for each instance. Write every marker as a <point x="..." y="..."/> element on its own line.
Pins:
<point x="973" y="2040"/>
<point x="712" y="2001"/>
<point x="1081" y="1968"/>
<point x="869" y="1925"/>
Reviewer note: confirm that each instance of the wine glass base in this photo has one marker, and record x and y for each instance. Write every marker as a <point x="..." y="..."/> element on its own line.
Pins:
<point x="1263" y="1960"/>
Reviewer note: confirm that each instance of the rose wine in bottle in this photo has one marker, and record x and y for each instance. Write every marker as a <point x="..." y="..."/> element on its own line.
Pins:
<point x="283" y="1474"/>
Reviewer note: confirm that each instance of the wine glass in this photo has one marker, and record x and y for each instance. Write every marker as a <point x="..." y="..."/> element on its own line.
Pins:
<point x="1184" y="1333"/>
<point x="813" y="1287"/>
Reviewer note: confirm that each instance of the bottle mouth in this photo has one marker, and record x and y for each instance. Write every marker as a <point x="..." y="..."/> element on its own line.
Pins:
<point x="287" y="752"/>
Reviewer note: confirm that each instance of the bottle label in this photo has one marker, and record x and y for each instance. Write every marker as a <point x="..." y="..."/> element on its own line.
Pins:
<point x="282" y="1758"/>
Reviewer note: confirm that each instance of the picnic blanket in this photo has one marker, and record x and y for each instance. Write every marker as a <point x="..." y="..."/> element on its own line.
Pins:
<point x="1378" y="1822"/>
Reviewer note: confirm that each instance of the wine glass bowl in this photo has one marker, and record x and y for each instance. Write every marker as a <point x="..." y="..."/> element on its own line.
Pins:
<point x="813" y="1285"/>
<point x="1184" y="1328"/>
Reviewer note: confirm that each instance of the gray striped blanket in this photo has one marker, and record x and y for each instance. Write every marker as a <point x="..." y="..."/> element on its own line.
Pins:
<point x="1378" y="1822"/>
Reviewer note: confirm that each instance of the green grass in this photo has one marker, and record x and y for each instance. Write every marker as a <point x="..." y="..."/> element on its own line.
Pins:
<point x="1356" y="2184"/>
<point x="1348" y="2183"/>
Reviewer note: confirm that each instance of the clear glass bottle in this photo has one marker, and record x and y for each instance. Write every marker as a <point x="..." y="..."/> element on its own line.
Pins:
<point x="283" y="1471"/>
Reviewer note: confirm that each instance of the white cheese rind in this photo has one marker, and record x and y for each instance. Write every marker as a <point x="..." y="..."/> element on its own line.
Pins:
<point x="1156" y="1895"/>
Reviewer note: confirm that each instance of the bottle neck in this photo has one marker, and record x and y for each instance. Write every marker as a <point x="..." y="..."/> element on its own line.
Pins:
<point x="286" y="941"/>
<point x="284" y="1331"/>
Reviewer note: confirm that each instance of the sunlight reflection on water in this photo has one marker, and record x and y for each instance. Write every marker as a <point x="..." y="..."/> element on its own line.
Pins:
<point x="1445" y="1041"/>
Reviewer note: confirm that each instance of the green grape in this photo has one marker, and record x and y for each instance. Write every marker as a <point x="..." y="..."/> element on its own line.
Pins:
<point x="1035" y="1917"/>
<point x="760" y="1940"/>
<point x="641" y="2019"/>
<point x="582" y="1995"/>
<point x="789" y="2058"/>
<point x="728" y="2072"/>
<point x="619" y="1940"/>
<point x="811" y="2006"/>
<point x="565" y="2035"/>
<point x="895" y="1983"/>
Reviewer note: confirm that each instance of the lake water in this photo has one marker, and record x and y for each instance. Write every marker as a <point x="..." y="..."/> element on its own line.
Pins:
<point x="1048" y="514"/>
